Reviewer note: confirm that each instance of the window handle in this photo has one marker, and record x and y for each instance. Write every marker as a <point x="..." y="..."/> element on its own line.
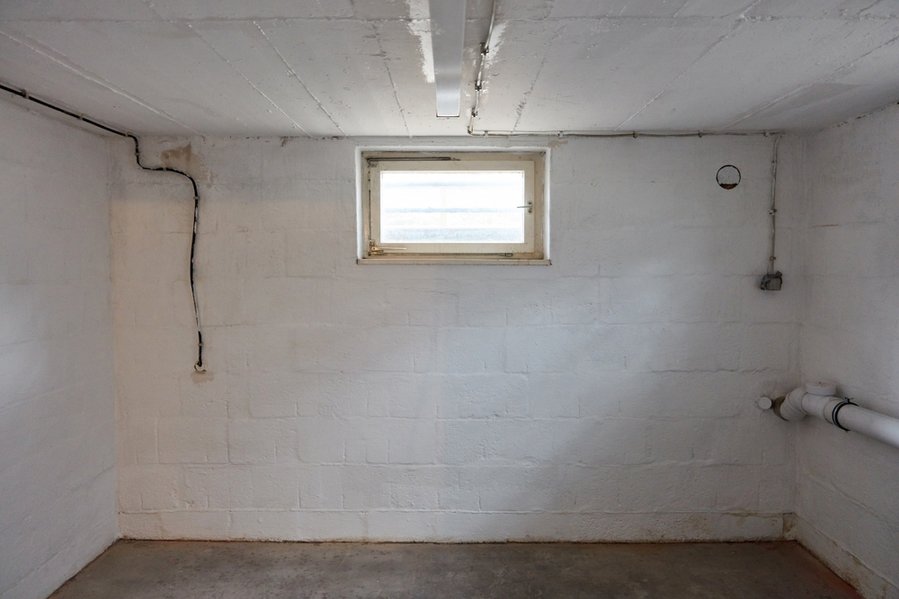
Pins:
<point x="529" y="206"/>
<point x="377" y="250"/>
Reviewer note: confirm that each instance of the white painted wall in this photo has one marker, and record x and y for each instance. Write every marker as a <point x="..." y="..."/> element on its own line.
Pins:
<point x="848" y="486"/>
<point x="57" y="424"/>
<point x="609" y="396"/>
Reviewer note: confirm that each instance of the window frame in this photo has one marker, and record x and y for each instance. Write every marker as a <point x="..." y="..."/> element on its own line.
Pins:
<point x="532" y="161"/>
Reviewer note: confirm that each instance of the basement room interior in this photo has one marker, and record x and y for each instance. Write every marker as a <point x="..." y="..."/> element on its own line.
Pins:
<point x="449" y="298"/>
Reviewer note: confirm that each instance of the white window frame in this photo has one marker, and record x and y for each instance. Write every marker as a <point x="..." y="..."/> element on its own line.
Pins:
<point x="531" y="251"/>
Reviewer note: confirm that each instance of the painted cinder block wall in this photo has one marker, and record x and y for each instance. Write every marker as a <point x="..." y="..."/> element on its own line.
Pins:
<point x="608" y="396"/>
<point x="847" y="485"/>
<point x="643" y="429"/>
<point x="57" y="411"/>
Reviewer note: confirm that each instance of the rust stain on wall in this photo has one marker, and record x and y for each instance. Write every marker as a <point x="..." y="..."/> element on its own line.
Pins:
<point x="185" y="159"/>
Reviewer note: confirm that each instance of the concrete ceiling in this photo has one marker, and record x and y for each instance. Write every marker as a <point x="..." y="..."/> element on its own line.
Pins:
<point x="356" y="67"/>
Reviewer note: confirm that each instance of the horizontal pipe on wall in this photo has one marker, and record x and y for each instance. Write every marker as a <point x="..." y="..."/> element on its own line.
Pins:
<point x="819" y="400"/>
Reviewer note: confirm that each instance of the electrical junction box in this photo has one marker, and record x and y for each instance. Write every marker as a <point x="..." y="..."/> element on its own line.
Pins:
<point x="772" y="281"/>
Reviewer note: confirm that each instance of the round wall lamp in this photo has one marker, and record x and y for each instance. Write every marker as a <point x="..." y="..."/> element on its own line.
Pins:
<point x="728" y="176"/>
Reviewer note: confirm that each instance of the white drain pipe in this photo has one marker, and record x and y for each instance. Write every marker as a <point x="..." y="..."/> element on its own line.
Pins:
<point x="819" y="399"/>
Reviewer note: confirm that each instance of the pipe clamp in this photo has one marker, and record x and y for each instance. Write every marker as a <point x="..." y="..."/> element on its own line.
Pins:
<point x="835" y="413"/>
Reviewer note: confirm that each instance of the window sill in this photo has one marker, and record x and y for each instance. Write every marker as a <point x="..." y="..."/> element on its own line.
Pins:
<point x="460" y="260"/>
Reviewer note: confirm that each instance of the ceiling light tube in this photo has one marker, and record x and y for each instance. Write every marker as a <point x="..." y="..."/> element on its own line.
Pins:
<point x="447" y="41"/>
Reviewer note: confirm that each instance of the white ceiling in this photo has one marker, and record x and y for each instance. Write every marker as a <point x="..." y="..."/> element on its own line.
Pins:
<point x="356" y="67"/>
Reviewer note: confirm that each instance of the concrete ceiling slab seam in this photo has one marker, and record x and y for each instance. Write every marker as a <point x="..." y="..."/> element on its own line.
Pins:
<point x="58" y="59"/>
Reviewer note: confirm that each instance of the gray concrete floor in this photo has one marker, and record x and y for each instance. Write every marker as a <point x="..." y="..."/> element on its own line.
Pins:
<point x="238" y="570"/>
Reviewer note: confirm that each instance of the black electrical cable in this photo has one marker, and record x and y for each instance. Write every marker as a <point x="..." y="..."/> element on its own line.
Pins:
<point x="24" y="94"/>
<point x="198" y="365"/>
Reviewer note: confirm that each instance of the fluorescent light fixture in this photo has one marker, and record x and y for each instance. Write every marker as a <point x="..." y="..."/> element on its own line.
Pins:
<point x="447" y="40"/>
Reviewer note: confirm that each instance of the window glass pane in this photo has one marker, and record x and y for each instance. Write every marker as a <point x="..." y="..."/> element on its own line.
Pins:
<point x="452" y="207"/>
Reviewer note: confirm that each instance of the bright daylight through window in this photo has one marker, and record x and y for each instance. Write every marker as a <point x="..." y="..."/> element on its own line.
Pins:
<point x="452" y="207"/>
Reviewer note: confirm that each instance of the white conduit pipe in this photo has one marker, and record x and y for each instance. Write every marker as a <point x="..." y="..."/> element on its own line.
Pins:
<point x="818" y="399"/>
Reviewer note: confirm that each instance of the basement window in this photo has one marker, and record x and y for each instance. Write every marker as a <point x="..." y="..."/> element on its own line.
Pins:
<point x="457" y="207"/>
